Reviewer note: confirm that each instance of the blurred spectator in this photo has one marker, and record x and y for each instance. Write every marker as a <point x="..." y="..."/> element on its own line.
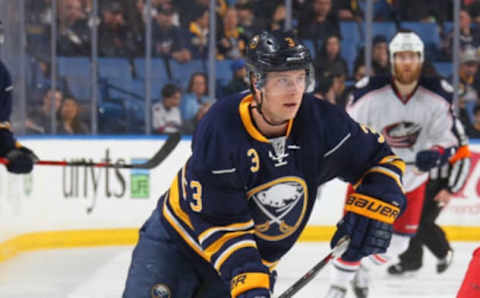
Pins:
<point x="199" y="34"/>
<point x="318" y="21"/>
<point x="359" y="71"/>
<point x="339" y="88"/>
<point x="196" y="101"/>
<point x="469" y="36"/>
<point x="247" y="23"/>
<point x="115" y="36"/>
<point x="168" y="40"/>
<point x="380" y="59"/>
<point x="329" y="57"/>
<point x="467" y="70"/>
<point x="472" y="126"/>
<point x="39" y="119"/>
<point x="73" y="30"/>
<point x="189" y="9"/>
<point x="239" y="81"/>
<point x="278" y="18"/>
<point x="166" y="113"/>
<point x="354" y="10"/>
<point x="69" y="122"/>
<point x="424" y="11"/>
<point x="231" y="41"/>
<point x="264" y="10"/>
<point x="324" y="89"/>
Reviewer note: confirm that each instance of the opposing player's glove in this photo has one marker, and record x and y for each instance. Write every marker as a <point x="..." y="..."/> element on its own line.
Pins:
<point x="435" y="157"/>
<point x="368" y="236"/>
<point x="21" y="160"/>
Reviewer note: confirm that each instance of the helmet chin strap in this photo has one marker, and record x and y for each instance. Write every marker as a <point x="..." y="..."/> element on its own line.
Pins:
<point x="259" y="105"/>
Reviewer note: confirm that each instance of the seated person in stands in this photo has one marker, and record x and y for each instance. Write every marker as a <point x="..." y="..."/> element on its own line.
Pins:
<point x="469" y="36"/>
<point x="239" y="81"/>
<point x="199" y="34"/>
<point x="196" y="102"/>
<point x="39" y="119"/>
<point x="231" y="42"/>
<point x="69" y="121"/>
<point x="166" y="113"/>
<point x="472" y="127"/>
<point x="168" y="40"/>
<point x="318" y="21"/>
<point x="329" y="57"/>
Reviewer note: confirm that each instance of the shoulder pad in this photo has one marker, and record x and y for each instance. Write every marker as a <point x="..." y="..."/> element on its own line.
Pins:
<point x="438" y="86"/>
<point x="368" y="84"/>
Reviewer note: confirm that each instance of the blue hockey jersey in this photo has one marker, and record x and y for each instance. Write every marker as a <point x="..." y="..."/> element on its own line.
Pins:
<point x="241" y="200"/>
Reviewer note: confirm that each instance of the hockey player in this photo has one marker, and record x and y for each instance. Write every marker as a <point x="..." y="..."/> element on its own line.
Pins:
<point x="21" y="159"/>
<point x="244" y="196"/>
<point x="414" y="114"/>
<point x="442" y="184"/>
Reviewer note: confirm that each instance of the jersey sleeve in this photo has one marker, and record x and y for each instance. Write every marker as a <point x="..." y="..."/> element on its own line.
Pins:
<point x="7" y="140"/>
<point x="219" y="212"/>
<point x="363" y="158"/>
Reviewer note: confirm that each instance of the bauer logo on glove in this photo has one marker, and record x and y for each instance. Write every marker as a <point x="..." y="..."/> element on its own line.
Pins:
<point x="372" y="208"/>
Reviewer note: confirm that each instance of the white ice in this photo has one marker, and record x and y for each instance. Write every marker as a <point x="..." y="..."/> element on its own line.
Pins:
<point x="100" y="273"/>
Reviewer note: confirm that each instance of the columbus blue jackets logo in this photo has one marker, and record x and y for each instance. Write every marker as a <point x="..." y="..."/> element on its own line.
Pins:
<point x="161" y="291"/>
<point x="402" y="134"/>
<point x="279" y="207"/>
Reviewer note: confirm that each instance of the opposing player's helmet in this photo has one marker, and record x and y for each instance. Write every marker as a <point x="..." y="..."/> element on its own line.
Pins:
<point x="278" y="51"/>
<point x="406" y="41"/>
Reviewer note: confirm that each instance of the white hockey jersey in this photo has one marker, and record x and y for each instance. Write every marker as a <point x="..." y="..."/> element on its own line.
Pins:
<point x="410" y="125"/>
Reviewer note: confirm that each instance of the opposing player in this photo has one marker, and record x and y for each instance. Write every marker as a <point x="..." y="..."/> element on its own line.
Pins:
<point x="414" y="114"/>
<point x="443" y="182"/>
<point x="244" y="196"/>
<point x="21" y="159"/>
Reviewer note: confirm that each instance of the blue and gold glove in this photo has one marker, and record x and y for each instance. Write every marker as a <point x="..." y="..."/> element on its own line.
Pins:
<point x="21" y="160"/>
<point x="368" y="222"/>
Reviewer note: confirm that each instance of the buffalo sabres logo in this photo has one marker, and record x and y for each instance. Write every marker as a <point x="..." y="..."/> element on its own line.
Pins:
<point x="402" y="134"/>
<point x="161" y="291"/>
<point x="279" y="207"/>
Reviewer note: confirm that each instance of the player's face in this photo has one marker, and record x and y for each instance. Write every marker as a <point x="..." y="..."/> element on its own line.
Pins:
<point x="407" y="67"/>
<point x="283" y="94"/>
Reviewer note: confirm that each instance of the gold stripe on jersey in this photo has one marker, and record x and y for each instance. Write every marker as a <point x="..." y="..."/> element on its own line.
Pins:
<point x="232" y="249"/>
<point x="174" y="200"/>
<point x="181" y="231"/>
<point x="248" y="281"/>
<point x="271" y="265"/>
<point x="394" y="161"/>
<point x="232" y="227"/>
<point x="384" y="171"/>
<point x="372" y="208"/>
<point x="220" y="242"/>
<point x="244" y="110"/>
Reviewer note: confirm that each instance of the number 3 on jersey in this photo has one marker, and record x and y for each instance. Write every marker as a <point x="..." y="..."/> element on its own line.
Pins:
<point x="368" y="130"/>
<point x="196" y="187"/>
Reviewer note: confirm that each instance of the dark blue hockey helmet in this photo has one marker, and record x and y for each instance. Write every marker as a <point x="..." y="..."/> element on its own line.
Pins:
<point x="278" y="51"/>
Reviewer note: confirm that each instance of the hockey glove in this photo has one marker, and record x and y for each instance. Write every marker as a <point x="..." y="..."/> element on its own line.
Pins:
<point x="435" y="157"/>
<point x="242" y="280"/>
<point x="368" y="236"/>
<point x="255" y="293"/>
<point x="21" y="160"/>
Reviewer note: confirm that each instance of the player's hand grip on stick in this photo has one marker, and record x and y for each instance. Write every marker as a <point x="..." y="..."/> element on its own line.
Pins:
<point x="164" y="151"/>
<point x="337" y="251"/>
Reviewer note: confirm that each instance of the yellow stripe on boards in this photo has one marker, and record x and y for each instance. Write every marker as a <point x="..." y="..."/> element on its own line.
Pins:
<point x="129" y="236"/>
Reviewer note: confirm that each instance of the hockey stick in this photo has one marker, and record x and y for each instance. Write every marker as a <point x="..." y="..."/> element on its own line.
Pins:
<point x="337" y="251"/>
<point x="164" y="151"/>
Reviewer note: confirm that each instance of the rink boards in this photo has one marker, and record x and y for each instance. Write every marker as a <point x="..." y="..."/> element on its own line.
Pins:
<point x="65" y="206"/>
